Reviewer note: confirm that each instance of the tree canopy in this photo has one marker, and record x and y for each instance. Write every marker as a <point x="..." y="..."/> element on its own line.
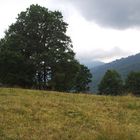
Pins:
<point x="83" y="79"/>
<point x="36" y="51"/>
<point x="111" y="84"/>
<point x="132" y="83"/>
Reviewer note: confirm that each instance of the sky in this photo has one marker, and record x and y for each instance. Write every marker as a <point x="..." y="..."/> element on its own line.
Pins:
<point x="102" y="30"/>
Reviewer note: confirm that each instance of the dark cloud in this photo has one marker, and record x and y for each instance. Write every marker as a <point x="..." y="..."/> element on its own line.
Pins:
<point x="119" y="14"/>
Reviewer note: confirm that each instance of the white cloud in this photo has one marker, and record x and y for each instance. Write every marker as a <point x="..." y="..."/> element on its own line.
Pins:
<point x="88" y="38"/>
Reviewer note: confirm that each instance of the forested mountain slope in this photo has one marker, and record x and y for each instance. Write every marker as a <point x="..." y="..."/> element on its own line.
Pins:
<point x="123" y="66"/>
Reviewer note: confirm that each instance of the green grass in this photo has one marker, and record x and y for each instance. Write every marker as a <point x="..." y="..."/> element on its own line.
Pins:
<point x="40" y="115"/>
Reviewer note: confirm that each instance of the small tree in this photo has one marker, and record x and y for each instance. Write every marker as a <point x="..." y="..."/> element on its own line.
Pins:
<point x="111" y="84"/>
<point x="83" y="79"/>
<point x="64" y="76"/>
<point x="132" y="83"/>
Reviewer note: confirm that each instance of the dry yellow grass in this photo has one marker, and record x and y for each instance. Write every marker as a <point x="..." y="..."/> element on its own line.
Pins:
<point x="40" y="115"/>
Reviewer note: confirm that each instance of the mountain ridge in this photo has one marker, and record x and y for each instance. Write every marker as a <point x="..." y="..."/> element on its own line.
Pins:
<point x="92" y="64"/>
<point x="123" y="66"/>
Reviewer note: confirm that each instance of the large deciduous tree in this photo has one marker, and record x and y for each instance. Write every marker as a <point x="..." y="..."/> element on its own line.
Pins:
<point x="38" y="51"/>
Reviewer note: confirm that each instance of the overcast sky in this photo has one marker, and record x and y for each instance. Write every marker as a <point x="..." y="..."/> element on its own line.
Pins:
<point x="100" y="29"/>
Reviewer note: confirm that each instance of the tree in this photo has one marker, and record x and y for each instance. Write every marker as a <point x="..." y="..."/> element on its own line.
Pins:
<point x="39" y="51"/>
<point x="83" y="79"/>
<point x="64" y="76"/>
<point x="14" y="70"/>
<point x="132" y="83"/>
<point x="111" y="84"/>
<point x="39" y="35"/>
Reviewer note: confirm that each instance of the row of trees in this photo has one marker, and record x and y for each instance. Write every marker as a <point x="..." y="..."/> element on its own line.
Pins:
<point x="36" y="52"/>
<point x="112" y="83"/>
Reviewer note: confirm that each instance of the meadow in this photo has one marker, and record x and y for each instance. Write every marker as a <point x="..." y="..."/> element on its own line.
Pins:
<point x="44" y="115"/>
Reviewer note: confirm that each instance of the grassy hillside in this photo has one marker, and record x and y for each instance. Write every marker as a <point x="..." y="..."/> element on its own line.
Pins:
<point x="40" y="115"/>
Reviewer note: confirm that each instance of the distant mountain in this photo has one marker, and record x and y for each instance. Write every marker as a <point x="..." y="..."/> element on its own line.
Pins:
<point x="123" y="66"/>
<point x="92" y="64"/>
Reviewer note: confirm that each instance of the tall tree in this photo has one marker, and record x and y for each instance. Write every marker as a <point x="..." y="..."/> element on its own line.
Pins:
<point x="38" y="41"/>
<point x="111" y="84"/>
<point x="132" y="82"/>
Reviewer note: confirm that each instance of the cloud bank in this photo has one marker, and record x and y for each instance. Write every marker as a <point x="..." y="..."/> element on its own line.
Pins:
<point x="120" y="14"/>
<point x="103" y="55"/>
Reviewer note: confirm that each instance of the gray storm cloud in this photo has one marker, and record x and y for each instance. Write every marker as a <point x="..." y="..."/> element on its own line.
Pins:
<point x="119" y="14"/>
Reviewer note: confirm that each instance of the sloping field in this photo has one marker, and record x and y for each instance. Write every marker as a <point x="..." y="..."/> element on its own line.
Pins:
<point x="40" y="115"/>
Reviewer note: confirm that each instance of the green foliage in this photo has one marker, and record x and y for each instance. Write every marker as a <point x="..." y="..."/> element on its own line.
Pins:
<point x="132" y="83"/>
<point x="15" y="69"/>
<point x="124" y="66"/>
<point x="111" y="84"/>
<point x="83" y="79"/>
<point x="65" y="75"/>
<point x="36" y="51"/>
